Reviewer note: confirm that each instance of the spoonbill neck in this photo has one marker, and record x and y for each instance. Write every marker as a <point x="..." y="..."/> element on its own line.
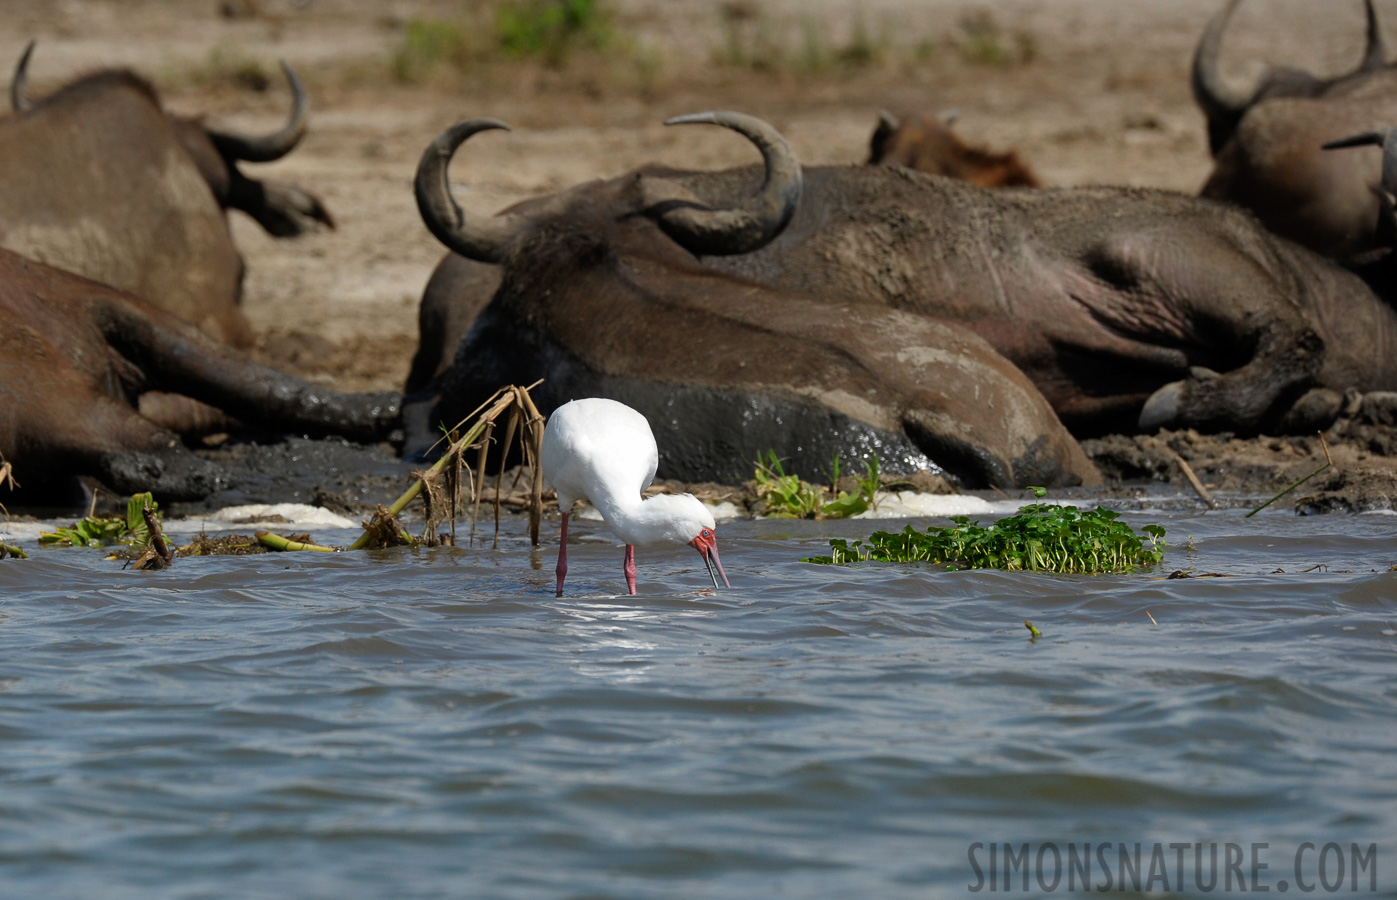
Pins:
<point x="662" y="519"/>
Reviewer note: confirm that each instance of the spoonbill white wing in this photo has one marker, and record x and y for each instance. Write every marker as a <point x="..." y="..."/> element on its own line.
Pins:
<point x="600" y="450"/>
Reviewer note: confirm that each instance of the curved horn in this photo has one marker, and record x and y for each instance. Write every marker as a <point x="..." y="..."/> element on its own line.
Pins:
<point x="1387" y="140"/>
<point x="723" y="232"/>
<point x="1222" y="106"/>
<point x="484" y="241"/>
<point x="1375" y="53"/>
<point x="272" y="146"/>
<point x="19" y="95"/>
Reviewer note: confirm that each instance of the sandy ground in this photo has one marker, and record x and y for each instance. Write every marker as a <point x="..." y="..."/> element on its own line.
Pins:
<point x="1088" y="91"/>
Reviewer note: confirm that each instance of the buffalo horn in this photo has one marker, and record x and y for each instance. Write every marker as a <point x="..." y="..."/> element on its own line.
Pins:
<point x="1222" y="106"/>
<point x="1387" y="140"/>
<point x="721" y="232"/>
<point x="19" y="96"/>
<point x="1375" y="53"/>
<point x="272" y="146"/>
<point x="484" y="241"/>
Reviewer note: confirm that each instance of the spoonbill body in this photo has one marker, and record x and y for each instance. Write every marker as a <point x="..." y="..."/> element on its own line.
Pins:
<point x="603" y="452"/>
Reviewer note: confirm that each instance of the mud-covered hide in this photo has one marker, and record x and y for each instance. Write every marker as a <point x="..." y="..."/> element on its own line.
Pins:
<point x="1106" y="298"/>
<point x="77" y="358"/>
<point x="600" y="303"/>
<point x="1129" y="309"/>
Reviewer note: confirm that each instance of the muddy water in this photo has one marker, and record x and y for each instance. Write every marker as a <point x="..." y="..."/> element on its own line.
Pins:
<point x="436" y="724"/>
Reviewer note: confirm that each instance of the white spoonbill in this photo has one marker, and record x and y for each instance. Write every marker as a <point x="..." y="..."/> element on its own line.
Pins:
<point x="604" y="452"/>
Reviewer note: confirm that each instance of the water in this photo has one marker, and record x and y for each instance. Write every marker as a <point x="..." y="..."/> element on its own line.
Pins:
<point x="406" y="724"/>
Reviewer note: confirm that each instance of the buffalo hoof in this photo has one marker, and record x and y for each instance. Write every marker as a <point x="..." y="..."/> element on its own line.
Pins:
<point x="1315" y="411"/>
<point x="1379" y="407"/>
<point x="1161" y="409"/>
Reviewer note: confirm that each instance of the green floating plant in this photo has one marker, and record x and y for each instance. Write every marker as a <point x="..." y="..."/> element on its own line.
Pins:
<point x="1041" y="537"/>
<point x="101" y="531"/>
<point x="789" y="497"/>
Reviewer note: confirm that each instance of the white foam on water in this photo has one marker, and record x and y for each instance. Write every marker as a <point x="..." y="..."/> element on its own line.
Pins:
<point x="254" y="516"/>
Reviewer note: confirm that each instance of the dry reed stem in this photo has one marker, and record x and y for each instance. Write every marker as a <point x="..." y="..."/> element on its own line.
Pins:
<point x="514" y="400"/>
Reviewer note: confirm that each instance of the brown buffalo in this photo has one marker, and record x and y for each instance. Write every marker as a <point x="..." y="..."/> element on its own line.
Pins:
<point x="77" y="359"/>
<point x="283" y="210"/>
<point x="1267" y="142"/>
<point x="602" y="294"/>
<point x="927" y="144"/>
<point x="99" y="180"/>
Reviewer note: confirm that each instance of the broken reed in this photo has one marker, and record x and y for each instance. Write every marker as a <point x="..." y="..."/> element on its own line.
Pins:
<point x="1041" y="537"/>
<point x="521" y="417"/>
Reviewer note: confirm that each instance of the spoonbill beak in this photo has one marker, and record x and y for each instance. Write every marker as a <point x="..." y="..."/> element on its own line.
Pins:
<point x="707" y="546"/>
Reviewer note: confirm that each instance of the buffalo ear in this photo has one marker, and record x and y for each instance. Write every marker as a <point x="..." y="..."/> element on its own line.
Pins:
<point x="887" y="126"/>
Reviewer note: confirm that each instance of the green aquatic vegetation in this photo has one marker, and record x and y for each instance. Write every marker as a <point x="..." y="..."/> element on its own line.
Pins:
<point x="101" y="531"/>
<point x="789" y="497"/>
<point x="1041" y="537"/>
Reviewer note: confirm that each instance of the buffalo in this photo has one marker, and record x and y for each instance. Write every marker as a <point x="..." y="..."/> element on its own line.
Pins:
<point x="601" y="292"/>
<point x="95" y="382"/>
<point x="1129" y="309"/>
<point x="99" y="180"/>
<point x="1267" y="139"/>
<point x="927" y="144"/>
<point x="459" y="286"/>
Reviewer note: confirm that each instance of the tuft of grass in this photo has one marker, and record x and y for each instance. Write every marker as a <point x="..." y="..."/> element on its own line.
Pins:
<point x="428" y="45"/>
<point x="789" y="497"/>
<point x="551" y="32"/>
<point x="101" y="531"/>
<point x="552" y="29"/>
<point x="1040" y="538"/>
<point x="757" y="42"/>
<point x="232" y="68"/>
<point x="985" y="43"/>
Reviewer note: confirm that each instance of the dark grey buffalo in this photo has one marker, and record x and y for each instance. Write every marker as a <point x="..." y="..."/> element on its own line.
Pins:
<point x="602" y="293"/>
<point x="1129" y="309"/>
<point x="1267" y="137"/>
<point x="96" y="382"/>
<point x="97" y="179"/>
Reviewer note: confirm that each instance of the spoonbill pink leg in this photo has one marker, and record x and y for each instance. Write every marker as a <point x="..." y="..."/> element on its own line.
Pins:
<point x="562" y="569"/>
<point x="630" y="568"/>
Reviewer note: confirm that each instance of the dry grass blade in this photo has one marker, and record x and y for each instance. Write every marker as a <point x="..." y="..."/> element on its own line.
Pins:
<point x="1328" y="461"/>
<point x="1192" y="477"/>
<point x="511" y="425"/>
<point x="484" y="446"/>
<point x="535" y="445"/>
<point x="7" y="476"/>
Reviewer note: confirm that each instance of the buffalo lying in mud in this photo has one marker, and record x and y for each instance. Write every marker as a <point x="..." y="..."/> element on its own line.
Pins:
<point x="459" y="287"/>
<point x="77" y="359"/>
<point x="1129" y="309"/>
<point x="1267" y="140"/>
<point x="97" y="179"/>
<point x="601" y="293"/>
<point x="927" y="144"/>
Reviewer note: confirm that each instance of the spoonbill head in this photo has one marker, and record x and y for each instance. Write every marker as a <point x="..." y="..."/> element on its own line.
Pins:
<point x="604" y="452"/>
